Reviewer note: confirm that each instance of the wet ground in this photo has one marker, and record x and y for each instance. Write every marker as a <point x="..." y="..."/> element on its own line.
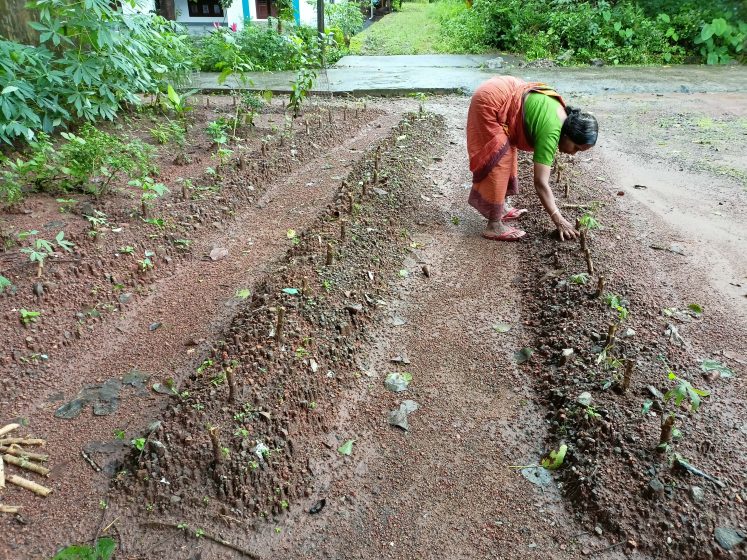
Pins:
<point x="669" y="177"/>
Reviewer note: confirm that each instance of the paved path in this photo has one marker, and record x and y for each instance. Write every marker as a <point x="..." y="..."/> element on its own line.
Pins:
<point x="401" y="75"/>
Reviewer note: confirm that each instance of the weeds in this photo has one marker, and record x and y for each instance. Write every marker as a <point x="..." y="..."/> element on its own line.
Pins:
<point x="581" y="278"/>
<point x="684" y="390"/>
<point x="28" y="317"/>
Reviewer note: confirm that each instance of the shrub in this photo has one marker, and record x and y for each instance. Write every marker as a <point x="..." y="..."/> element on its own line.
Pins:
<point x="345" y="16"/>
<point x="618" y="33"/>
<point x="91" y="59"/>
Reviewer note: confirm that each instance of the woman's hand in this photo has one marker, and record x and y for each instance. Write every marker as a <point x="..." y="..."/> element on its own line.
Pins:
<point x="565" y="228"/>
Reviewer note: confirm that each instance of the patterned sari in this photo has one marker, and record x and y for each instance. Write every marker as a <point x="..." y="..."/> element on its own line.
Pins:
<point x="495" y="133"/>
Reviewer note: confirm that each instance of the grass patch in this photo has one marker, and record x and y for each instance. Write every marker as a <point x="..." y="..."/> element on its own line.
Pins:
<point x="415" y="29"/>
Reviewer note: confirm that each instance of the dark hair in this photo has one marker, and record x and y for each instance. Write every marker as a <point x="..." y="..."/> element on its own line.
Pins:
<point x="581" y="128"/>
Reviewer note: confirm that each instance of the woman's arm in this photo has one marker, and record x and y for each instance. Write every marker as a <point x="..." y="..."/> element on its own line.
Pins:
<point x="542" y="186"/>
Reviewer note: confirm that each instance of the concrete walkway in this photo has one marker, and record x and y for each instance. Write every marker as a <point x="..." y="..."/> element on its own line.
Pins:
<point x="441" y="74"/>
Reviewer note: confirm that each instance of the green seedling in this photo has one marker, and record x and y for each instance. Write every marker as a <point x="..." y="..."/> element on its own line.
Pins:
<point x="145" y="264"/>
<point x="103" y="504"/>
<point x="119" y="434"/>
<point x="588" y="222"/>
<point x="126" y="250"/>
<point x="243" y="293"/>
<point x="302" y="353"/>
<point x="151" y="191"/>
<point x="581" y="278"/>
<point x="346" y="448"/>
<point x="205" y="365"/>
<point x="28" y="317"/>
<point x="198" y="406"/>
<point x="182" y="526"/>
<point x="183" y="244"/>
<point x="685" y="390"/>
<point x="218" y="379"/>
<point x="22" y="235"/>
<point x="616" y="302"/>
<point x="217" y="131"/>
<point x="284" y="504"/>
<point x="138" y="443"/>
<point x="4" y="283"/>
<point x="241" y="432"/>
<point x="225" y="451"/>
<point x="223" y="155"/>
<point x="455" y="220"/>
<point x="102" y="550"/>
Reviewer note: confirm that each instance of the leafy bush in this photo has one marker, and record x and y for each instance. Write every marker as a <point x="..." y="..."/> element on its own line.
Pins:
<point x="91" y="59"/>
<point x="619" y="33"/>
<point x="262" y="48"/>
<point x="345" y="16"/>
<point x="89" y="161"/>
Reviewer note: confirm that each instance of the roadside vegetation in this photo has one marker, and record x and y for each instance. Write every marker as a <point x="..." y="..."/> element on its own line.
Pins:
<point x="567" y="32"/>
<point x="416" y="28"/>
<point x="281" y="44"/>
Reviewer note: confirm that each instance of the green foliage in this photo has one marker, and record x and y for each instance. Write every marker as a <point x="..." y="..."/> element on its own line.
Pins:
<point x="217" y="131"/>
<point x="554" y="459"/>
<point x="300" y="89"/>
<point x="617" y="303"/>
<point x="4" y="283"/>
<point x="138" y="443"/>
<point x="87" y="161"/>
<point x="261" y="48"/>
<point x="587" y="222"/>
<point x="580" y="278"/>
<point x="345" y="16"/>
<point x="573" y="32"/>
<point x="27" y="317"/>
<point x="721" y="41"/>
<point x="102" y="550"/>
<point x="684" y="390"/>
<point x="169" y="132"/>
<point x="90" y="60"/>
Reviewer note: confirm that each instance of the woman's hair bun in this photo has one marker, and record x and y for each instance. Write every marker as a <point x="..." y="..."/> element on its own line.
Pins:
<point x="580" y="127"/>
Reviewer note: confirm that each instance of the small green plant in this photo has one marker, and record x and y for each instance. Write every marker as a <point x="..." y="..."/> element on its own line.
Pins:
<point x="218" y="380"/>
<point x="103" y="549"/>
<point x="223" y="155"/>
<point x="198" y="406"/>
<point x="684" y="390"/>
<point x="617" y="303"/>
<point x="253" y="465"/>
<point x="241" y="432"/>
<point x="177" y="103"/>
<point x="588" y="222"/>
<point x="225" y="451"/>
<point x="302" y="353"/>
<point x="97" y="220"/>
<point x="138" y="443"/>
<point x="421" y="97"/>
<point x="205" y="365"/>
<point x="243" y="293"/>
<point x="284" y="504"/>
<point x="327" y="285"/>
<point x="145" y="264"/>
<point x="151" y="191"/>
<point x="581" y="278"/>
<point x="28" y="317"/>
<point x="119" y="434"/>
<point x="169" y="132"/>
<point x="126" y="250"/>
<point x="103" y="504"/>
<point x="183" y="244"/>
<point x="455" y="220"/>
<point x="4" y="283"/>
<point x="300" y="89"/>
<point x="199" y="533"/>
<point x="217" y="131"/>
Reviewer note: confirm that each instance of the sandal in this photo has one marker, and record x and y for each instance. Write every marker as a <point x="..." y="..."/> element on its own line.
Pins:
<point x="512" y="234"/>
<point x="514" y="214"/>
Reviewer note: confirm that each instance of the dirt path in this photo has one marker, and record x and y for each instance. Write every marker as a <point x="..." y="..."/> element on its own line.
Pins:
<point x="195" y="304"/>
<point x="444" y="488"/>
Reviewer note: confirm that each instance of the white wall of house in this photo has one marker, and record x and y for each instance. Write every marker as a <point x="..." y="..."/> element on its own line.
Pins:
<point x="231" y="15"/>
<point x="236" y="13"/>
<point x="307" y="12"/>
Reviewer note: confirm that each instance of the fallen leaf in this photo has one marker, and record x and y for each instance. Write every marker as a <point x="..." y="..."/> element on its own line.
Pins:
<point x="291" y="233"/>
<point x="501" y="328"/>
<point x="555" y="459"/>
<point x="713" y="365"/>
<point x="290" y="291"/>
<point x="523" y="355"/>
<point x="346" y="448"/>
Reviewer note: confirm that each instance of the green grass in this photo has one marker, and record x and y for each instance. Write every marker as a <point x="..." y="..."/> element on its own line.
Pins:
<point x="416" y="29"/>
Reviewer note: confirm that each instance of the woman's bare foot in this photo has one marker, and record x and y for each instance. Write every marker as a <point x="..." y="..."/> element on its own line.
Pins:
<point x="497" y="231"/>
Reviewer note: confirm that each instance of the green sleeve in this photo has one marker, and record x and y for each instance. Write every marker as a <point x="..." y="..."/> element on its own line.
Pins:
<point x="543" y="126"/>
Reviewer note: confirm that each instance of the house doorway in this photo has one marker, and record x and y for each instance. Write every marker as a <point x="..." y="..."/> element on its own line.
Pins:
<point x="266" y="8"/>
